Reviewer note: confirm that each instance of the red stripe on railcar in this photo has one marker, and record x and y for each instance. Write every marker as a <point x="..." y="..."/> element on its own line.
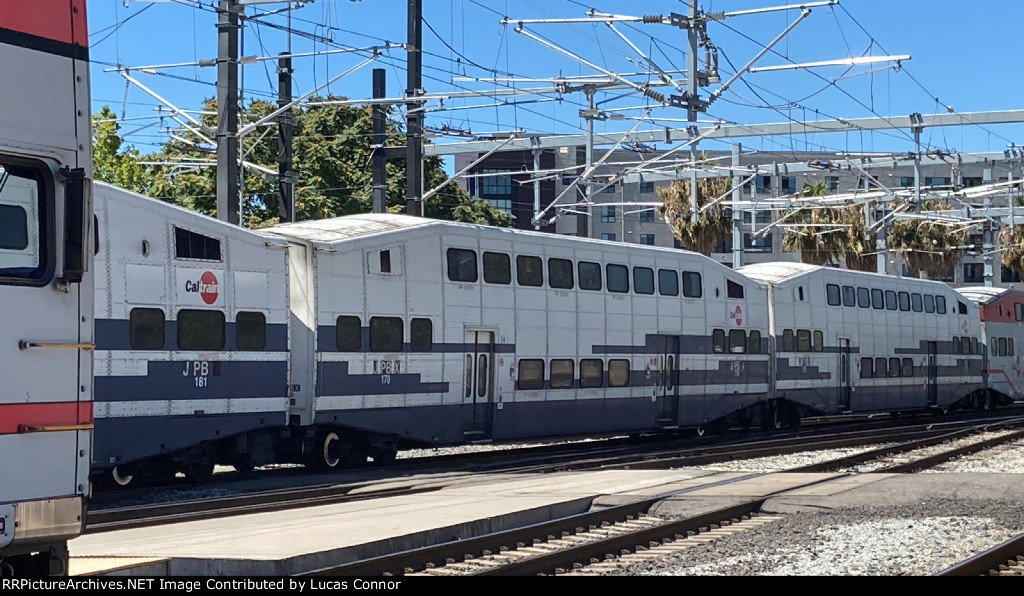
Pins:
<point x="21" y="418"/>
<point x="56" y="20"/>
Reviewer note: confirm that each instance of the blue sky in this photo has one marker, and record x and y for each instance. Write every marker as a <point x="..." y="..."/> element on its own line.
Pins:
<point x="963" y="55"/>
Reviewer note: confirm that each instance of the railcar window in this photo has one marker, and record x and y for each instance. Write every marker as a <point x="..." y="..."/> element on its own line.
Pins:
<point x="908" y="367"/>
<point x="803" y="340"/>
<point x="819" y="341"/>
<point x="529" y="271"/>
<point x="974" y="345"/>
<point x="421" y="335"/>
<point x="497" y="268"/>
<point x="531" y="374"/>
<point x="13" y="227"/>
<point x="1009" y="346"/>
<point x="481" y="376"/>
<point x="754" y="342"/>
<point x="469" y="375"/>
<point x="462" y="265"/>
<point x="200" y="330"/>
<point x="618" y="373"/>
<point x="251" y="331"/>
<point x="967" y="346"/>
<point x="788" y="341"/>
<point x="849" y="296"/>
<point x="832" y="295"/>
<point x="737" y="341"/>
<point x="940" y="305"/>
<point x="956" y="345"/>
<point x="591" y="373"/>
<point x="618" y="278"/>
<point x="560" y="274"/>
<point x="718" y="341"/>
<point x="863" y="298"/>
<point x="916" y="303"/>
<point x="668" y="282"/>
<point x="693" y="287"/>
<point x="905" y="301"/>
<point x="994" y="345"/>
<point x="867" y="368"/>
<point x="1018" y="310"/>
<point x="890" y="300"/>
<point x="349" y="332"/>
<point x="146" y="329"/>
<point x="386" y="334"/>
<point x="562" y="373"/>
<point x="877" y="299"/>
<point x="962" y="308"/>
<point x="643" y="280"/>
<point x="880" y="368"/>
<point x="590" y="275"/>
<point x="190" y="245"/>
<point x="735" y="290"/>
<point x="894" y="367"/>
<point x="929" y="303"/>
<point x="1002" y="346"/>
<point x="385" y="261"/>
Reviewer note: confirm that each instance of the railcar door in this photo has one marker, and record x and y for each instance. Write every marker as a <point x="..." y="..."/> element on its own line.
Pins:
<point x="844" y="376"/>
<point x="668" y="380"/>
<point x="932" y="382"/>
<point x="478" y="392"/>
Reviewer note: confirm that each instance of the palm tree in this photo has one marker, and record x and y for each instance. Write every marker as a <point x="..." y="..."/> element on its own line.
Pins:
<point x="713" y="224"/>
<point x="927" y="247"/>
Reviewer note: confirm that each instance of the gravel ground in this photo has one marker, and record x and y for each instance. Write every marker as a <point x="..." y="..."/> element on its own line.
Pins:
<point x="919" y="539"/>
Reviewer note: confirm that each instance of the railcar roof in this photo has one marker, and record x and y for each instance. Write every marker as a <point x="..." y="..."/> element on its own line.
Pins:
<point x="776" y="272"/>
<point x="983" y="294"/>
<point x="339" y="229"/>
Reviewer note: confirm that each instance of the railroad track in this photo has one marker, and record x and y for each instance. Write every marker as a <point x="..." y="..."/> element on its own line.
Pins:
<point x="604" y="541"/>
<point x="1004" y="559"/>
<point x="323" y="494"/>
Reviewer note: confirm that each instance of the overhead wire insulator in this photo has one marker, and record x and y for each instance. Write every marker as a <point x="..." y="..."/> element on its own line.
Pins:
<point x="654" y="19"/>
<point x="658" y="97"/>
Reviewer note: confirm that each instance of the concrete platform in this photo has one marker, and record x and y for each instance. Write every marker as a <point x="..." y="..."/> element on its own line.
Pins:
<point x="297" y="541"/>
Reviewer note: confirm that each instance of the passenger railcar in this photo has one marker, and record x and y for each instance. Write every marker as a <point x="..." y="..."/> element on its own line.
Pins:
<point x="1002" y="322"/>
<point x="411" y="331"/>
<point x="192" y="341"/>
<point x="46" y="292"/>
<point x="847" y="341"/>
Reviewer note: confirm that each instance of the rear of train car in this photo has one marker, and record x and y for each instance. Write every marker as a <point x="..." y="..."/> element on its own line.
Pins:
<point x="1002" y="323"/>
<point x="409" y="331"/>
<point x="849" y="341"/>
<point x="46" y="292"/>
<point x="191" y="342"/>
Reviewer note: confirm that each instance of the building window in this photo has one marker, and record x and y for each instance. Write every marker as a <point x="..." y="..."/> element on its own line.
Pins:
<point x="647" y="216"/>
<point x="906" y="181"/>
<point x="501" y="204"/>
<point x="610" y="189"/>
<point x="788" y="185"/>
<point x="1009" y="275"/>
<point x="974" y="273"/>
<point x="832" y="182"/>
<point x="608" y="214"/>
<point x="763" y="216"/>
<point x="609" y="237"/>
<point x="937" y="181"/>
<point x="495" y="184"/>
<point x="146" y="329"/>
<point x="763" y="244"/>
<point x="251" y="331"/>
<point x="647" y="239"/>
<point x="646" y="188"/>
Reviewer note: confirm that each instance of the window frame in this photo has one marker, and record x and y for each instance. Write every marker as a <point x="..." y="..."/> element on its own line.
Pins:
<point x="358" y="336"/>
<point x="392" y="347"/>
<point x="455" y="267"/>
<point x="42" y="174"/>
<point x="587" y="364"/>
<point x="534" y="384"/>
<point x="691" y="275"/>
<point x="565" y="266"/>
<point x="142" y="311"/>
<point x="581" y="277"/>
<point x="488" y="259"/>
<point x="196" y="312"/>
<point x="262" y="340"/>
<point x="833" y="295"/>
<point x="673" y="286"/>
<point x="637" y="289"/>
<point x="417" y="344"/>
<point x="618" y="288"/>
<point x="561" y="381"/>
<point x="612" y="373"/>
<point x="527" y="273"/>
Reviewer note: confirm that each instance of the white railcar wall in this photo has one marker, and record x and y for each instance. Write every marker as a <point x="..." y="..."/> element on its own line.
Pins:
<point x="538" y="322"/>
<point x="1005" y="373"/>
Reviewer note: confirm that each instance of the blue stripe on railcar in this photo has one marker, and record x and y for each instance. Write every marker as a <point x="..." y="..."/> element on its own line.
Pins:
<point x="177" y="380"/>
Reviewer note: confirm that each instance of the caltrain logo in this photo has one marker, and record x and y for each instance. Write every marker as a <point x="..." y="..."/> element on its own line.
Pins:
<point x="206" y="287"/>
<point x="737" y="314"/>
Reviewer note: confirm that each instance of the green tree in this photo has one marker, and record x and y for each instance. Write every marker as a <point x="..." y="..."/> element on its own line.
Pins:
<point x="332" y="161"/>
<point x="713" y="223"/>
<point x="112" y="161"/>
<point x="926" y="246"/>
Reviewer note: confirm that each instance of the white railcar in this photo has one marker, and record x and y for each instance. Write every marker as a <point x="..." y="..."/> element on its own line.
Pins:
<point x="46" y="292"/>
<point x="1002" y="323"/>
<point x="848" y="341"/>
<point x="412" y="331"/>
<point x="192" y="341"/>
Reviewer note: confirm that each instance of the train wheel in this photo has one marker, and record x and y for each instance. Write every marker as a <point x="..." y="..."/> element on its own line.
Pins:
<point x="329" y="453"/>
<point x="199" y="470"/>
<point x="121" y="478"/>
